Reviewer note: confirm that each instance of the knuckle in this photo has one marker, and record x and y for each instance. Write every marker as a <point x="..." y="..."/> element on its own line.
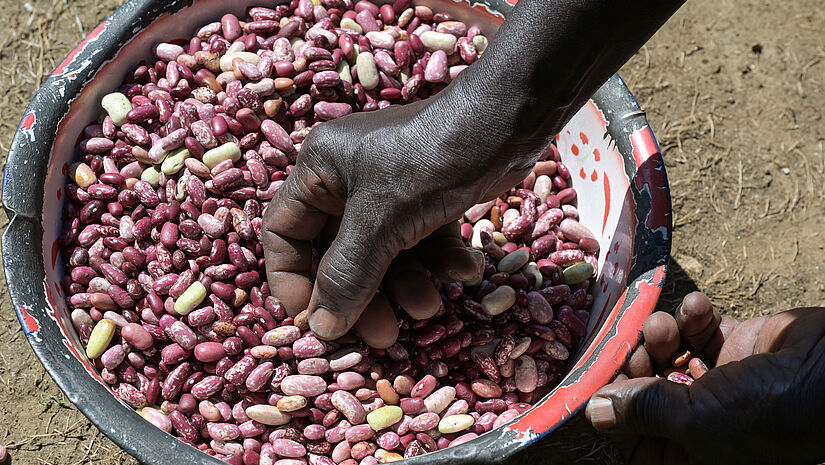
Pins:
<point x="346" y="279"/>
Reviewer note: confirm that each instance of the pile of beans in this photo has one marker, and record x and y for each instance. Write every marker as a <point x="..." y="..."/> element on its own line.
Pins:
<point x="166" y="274"/>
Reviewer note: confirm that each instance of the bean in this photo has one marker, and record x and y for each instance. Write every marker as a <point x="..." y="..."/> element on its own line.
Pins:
<point x="137" y="336"/>
<point x="577" y="273"/>
<point x="227" y="151"/>
<point x="680" y="378"/>
<point x="207" y="387"/>
<point x="359" y="433"/>
<point x="100" y="338"/>
<point x="412" y="405"/>
<point x="307" y="347"/>
<point x="341" y="452"/>
<point x="182" y="425"/>
<point x="288" y="448"/>
<point x="367" y="70"/>
<point x="555" y="294"/>
<point x="556" y="350"/>
<point x="505" y="417"/>
<point x="423" y="388"/>
<point x="238" y="372"/>
<point x="486" y="388"/>
<point x="440" y="399"/>
<point x="428" y="335"/>
<point x="268" y="415"/>
<point x="436" y="70"/>
<point x="292" y="403"/>
<point x="113" y="357"/>
<point x="131" y="395"/>
<point x="499" y="300"/>
<point x="384" y="417"/>
<point x="349" y="405"/>
<point x="455" y="423"/>
<point x="526" y="374"/>
<point x="260" y="376"/>
<point x="343" y="360"/>
<point x="157" y="418"/>
<point x="567" y="257"/>
<point x="313" y="366"/>
<point x="191" y="298"/>
<point x="117" y="106"/>
<point x="539" y="308"/>
<point x="514" y="261"/>
<point x="387" y="393"/>
<point x="331" y="110"/>
<point x="424" y="422"/>
<point x="438" y="41"/>
<point x="485" y="363"/>
<point x="303" y="385"/>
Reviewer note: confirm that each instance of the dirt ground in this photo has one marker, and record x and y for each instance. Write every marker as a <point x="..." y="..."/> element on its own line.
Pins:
<point x="734" y="91"/>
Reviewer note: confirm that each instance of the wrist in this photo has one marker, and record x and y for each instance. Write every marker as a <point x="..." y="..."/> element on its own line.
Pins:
<point x="489" y="119"/>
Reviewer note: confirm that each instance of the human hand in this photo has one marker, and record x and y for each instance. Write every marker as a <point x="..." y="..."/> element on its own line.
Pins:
<point x="373" y="187"/>
<point x="762" y="400"/>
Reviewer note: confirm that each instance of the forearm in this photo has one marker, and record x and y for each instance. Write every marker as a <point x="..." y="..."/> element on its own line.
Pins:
<point x="547" y="59"/>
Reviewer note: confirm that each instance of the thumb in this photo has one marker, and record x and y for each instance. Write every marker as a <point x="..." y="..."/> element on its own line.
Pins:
<point x="648" y="406"/>
<point x="349" y="274"/>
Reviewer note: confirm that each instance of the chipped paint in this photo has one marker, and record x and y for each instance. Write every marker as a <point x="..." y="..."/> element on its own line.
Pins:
<point x="69" y="61"/>
<point x="31" y="327"/>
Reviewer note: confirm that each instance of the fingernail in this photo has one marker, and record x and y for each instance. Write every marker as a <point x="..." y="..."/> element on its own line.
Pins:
<point x="327" y="324"/>
<point x="681" y="310"/>
<point x="601" y="413"/>
<point x="697" y="368"/>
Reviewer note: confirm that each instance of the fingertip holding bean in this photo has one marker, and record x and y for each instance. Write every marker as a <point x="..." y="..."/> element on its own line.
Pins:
<point x="697" y="368"/>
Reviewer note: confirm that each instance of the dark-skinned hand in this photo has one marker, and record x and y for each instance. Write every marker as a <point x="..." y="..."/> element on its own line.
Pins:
<point x="372" y="188"/>
<point x="762" y="401"/>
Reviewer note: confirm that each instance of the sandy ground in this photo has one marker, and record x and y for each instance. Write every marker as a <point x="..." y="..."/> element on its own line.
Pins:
<point x="734" y="91"/>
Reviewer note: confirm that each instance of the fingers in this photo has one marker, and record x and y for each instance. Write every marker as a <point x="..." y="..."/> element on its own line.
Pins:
<point x="444" y="254"/>
<point x="661" y="338"/>
<point x="741" y="341"/>
<point x="290" y="222"/>
<point x="408" y="285"/>
<point x="639" y="365"/>
<point x="377" y="326"/>
<point x="698" y="324"/>
<point x="348" y="276"/>
<point x="649" y="406"/>
<point x="797" y="327"/>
